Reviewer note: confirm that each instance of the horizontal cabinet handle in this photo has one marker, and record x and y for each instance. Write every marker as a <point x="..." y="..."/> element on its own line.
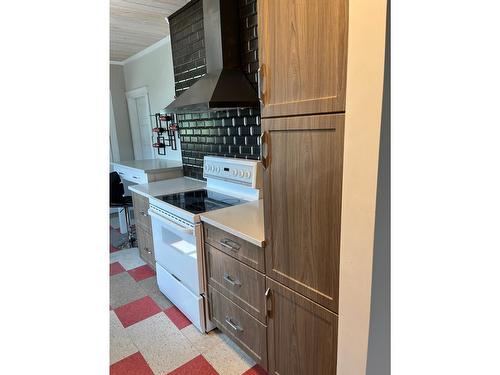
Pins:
<point x="231" y="245"/>
<point x="233" y="325"/>
<point x="231" y="281"/>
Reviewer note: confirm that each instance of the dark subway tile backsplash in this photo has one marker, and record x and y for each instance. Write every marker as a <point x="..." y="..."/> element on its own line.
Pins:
<point x="229" y="137"/>
<point x="231" y="133"/>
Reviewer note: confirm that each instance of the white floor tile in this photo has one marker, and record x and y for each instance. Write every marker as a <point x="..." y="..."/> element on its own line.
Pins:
<point x="163" y="346"/>
<point x="202" y="342"/>
<point x="150" y="286"/>
<point x="128" y="258"/>
<point x="124" y="289"/>
<point x="120" y="345"/>
<point x="228" y="359"/>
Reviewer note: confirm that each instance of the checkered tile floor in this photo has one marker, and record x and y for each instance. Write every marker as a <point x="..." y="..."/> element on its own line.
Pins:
<point x="148" y="335"/>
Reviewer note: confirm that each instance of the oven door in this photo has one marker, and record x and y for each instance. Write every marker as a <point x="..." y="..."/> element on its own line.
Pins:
<point x="175" y="250"/>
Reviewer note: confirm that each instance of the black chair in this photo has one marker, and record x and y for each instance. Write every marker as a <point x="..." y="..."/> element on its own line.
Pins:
<point x="118" y="199"/>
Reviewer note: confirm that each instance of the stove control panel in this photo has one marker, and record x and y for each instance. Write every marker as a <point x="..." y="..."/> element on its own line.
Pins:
<point x="240" y="171"/>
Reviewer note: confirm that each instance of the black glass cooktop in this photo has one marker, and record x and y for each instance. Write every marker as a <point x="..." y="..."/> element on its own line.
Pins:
<point x="199" y="201"/>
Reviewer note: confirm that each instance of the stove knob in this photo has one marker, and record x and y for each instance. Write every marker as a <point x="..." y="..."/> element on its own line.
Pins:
<point x="206" y="168"/>
<point x="210" y="168"/>
<point x="241" y="173"/>
<point x="247" y="174"/>
<point x="217" y="169"/>
<point x="235" y="172"/>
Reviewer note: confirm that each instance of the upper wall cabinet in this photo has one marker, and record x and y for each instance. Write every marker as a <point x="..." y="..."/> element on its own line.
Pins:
<point x="303" y="53"/>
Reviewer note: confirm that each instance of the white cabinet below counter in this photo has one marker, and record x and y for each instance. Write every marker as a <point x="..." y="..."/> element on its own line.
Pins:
<point x="144" y="171"/>
<point x="133" y="172"/>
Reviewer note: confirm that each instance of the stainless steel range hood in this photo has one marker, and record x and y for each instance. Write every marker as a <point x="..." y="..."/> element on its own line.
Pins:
<point x="225" y="85"/>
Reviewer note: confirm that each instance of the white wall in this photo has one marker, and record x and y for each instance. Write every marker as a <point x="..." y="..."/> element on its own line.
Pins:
<point x="155" y="71"/>
<point x="120" y="111"/>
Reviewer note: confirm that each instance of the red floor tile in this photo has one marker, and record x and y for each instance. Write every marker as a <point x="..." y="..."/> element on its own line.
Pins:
<point x="177" y="317"/>
<point x="142" y="272"/>
<point x="115" y="268"/>
<point x="112" y="249"/>
<point x="255" y="370"/>
<point x="198" y="365"/>
<point x="132" y="365"/>
<point x="136" y="311"/>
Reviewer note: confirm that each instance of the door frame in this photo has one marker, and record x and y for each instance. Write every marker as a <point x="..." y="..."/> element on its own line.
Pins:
<point x="134" y="121"/>
<point x="113" y="136"/>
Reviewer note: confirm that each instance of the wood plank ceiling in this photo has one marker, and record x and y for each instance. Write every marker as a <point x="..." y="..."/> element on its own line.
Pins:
<point x="137" y="24"/>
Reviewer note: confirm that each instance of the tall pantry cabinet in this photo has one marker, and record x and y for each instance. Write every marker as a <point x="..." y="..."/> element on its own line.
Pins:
<point x="302" y="56"/>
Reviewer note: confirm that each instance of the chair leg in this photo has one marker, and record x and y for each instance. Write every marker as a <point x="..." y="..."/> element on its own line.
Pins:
<point x="131" y="238"/>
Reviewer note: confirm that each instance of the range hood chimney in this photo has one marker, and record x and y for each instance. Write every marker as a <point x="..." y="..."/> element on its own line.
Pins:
<point x="225" y="85"/>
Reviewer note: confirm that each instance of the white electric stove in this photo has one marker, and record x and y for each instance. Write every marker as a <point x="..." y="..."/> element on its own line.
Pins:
<point x="177" y="232"/>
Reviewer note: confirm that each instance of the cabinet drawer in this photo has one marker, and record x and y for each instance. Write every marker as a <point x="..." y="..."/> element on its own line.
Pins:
<point x="246" y="331"/>
<point x="245" y="252"/>
<point x="145" y="244"/>
<point x="189" y="303"/>
<point x="131" y="175"/>
<point x="238" y="282"/>
<point x="141" y="206"/>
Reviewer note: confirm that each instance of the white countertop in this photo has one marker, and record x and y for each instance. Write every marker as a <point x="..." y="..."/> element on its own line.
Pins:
<point x="171" y="186"/>
<point x="245" y="221"/>
<point x="150" y="165"/>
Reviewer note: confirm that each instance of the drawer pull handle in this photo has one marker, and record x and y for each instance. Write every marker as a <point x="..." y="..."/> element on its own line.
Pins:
<point x="233" y="325"/>
<point x="228" y="244"/>
<point x="231" y="281"/>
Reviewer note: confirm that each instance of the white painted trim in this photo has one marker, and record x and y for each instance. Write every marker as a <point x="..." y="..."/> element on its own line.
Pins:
<point x="135" y="93"/>
<point x="115" y="62"/>
<point x="115" y="148"/>
<point x="147" y="50"/>
<point x="363" y="114"/>
<point x="134" y="121"/>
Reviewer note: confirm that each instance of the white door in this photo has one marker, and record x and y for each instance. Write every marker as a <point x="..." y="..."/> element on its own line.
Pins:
<point x="140" y="123"/>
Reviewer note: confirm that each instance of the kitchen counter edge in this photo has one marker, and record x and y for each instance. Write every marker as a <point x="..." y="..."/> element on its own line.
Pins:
<point x="226" y="218"/>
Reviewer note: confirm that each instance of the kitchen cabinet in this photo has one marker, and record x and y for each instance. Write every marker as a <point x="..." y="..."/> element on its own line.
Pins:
<point x="246" y="331"/>
<point x="301" y="335"/>
<point x="143" y="229"/>
<point x="302" y="204"/>
<point x="141" y="206"/>
<point x="235" y="247"/>
<point x="237" y="303"/>
<point x="302" y="56"/>
<point x="145" y="244"/>
<point x="238" y="282"/>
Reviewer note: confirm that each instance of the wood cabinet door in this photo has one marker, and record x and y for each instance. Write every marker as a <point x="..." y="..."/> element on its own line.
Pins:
<point x="141" y="216"/>
<point x="145" y="245"/>
<point x="303" y="56"/>
<point x="301" y="335"/>
<point x="302" y="203"/>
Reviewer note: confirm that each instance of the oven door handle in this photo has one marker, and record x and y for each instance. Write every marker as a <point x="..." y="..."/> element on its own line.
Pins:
<point x="170" y="223"/>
